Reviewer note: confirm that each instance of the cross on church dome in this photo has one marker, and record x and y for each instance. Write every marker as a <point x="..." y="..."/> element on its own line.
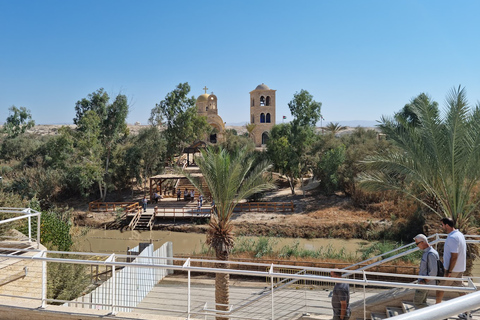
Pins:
<point x="205" y="88"/>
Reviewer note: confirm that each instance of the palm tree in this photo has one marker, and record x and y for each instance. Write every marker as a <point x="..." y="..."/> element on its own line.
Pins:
<point x="230" y="178"/>
<point x="437" y="158"/>
<point x="334" y="128"/>
<point x="250" y="127"/>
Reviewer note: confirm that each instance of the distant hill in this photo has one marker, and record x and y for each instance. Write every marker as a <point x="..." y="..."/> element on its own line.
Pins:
<point x="354" y="123"/>
<point x="349" y="123"/>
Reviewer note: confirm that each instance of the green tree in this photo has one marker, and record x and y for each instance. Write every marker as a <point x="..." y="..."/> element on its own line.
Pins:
<point x="113" y="127"/>
<point x="234" y="142"/>
<point x="19" y="121"/>
<point x="304" y="109"/>
<point x="178" y="114"/>
<point x="86" y="169"/>
<point x="281" y="150"/>
<point x="146" y="155"/>
<point x="230" y="177"/>
<point x="437" y="155"/>
<point x="289" y="143"/>
<point x="359" y="144"/>
<point x="408" y="115"/>
<point x="326" y="169"/>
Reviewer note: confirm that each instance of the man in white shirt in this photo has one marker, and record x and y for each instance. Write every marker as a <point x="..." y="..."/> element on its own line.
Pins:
<point x="454" y="257"/>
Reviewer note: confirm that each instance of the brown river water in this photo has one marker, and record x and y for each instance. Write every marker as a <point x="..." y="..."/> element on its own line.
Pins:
<point x="116" y="241"/>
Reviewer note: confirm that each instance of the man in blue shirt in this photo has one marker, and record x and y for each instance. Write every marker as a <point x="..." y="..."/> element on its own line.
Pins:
<point x="428" y="267"/>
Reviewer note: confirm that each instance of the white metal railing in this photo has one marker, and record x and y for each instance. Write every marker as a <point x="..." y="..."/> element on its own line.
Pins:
<point x="268" y="301"/>
<point x="381" y="258"/>
<point x="24" y="213"/>
<point x="129" y="286"/>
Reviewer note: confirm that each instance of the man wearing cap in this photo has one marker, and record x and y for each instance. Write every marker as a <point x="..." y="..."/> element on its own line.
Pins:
<point x="428" y="267"/>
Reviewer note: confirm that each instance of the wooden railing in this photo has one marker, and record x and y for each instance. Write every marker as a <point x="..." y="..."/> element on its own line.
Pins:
<point x="135" y="220"/>
<point x="98" y="206"/>
<point x="265" y="206"/>
<point x="151" y="221"/>
<point x="183" y="212"/>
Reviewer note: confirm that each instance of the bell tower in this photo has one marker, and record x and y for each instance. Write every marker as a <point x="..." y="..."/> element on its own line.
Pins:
<point x="262" y="113"/>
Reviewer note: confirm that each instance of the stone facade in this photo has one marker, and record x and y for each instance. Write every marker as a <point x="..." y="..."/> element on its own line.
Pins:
<point x="262" y="113"/>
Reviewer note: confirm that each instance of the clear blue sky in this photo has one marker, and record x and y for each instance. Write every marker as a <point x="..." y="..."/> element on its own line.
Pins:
<point x="361" y="59"/>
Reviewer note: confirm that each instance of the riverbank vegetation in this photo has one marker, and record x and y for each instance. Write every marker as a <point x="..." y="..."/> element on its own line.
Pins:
<point x="265" y="248"/>
<point x="395" y="173"/>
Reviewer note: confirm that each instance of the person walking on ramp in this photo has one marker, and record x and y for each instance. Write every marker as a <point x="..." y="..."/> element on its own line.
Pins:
<point x="428" y="267"/>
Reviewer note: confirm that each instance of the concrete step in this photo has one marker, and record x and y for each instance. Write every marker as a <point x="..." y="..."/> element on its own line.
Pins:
<point x="394" y="311"/>
<point x="408" y="306"/>
<point x="379" y="316"/>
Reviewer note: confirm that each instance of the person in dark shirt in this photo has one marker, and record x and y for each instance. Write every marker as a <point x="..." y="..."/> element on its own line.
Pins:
<point x="340" y="299"/>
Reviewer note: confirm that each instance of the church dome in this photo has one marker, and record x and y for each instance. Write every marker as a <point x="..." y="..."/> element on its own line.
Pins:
<point x="262" y="86"/>
<point x="203" y="98"/>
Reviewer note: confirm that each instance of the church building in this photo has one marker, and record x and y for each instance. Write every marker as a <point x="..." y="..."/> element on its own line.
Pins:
<point x="207" y="106"/>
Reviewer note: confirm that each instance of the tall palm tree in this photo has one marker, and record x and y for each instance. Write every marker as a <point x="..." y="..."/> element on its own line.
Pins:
<point x="334" y="128"/>
<point x="230" y="178"/>
<point x="437" y="158"/>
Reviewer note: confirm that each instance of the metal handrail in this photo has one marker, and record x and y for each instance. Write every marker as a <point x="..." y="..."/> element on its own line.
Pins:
<point x="159" y="263"/>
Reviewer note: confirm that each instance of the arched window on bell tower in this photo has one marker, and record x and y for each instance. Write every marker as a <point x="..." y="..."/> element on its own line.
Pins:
<point x="268" y="100"/>
<point x="264" y="137"/>
<point x="262" y="118"/>
<point x="253" y="102"/>
<point x="268" y="118"/>
<point x="262" y="101"/>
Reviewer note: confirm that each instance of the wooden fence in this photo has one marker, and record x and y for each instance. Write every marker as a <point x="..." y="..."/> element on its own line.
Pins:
<point x="98" y="206"/>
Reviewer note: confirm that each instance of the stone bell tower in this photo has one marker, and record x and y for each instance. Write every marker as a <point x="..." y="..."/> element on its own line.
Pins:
<point x="262" y="113"/>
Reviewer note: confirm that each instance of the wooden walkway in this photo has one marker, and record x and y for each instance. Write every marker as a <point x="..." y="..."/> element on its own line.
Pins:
<point x="171" y="209"/>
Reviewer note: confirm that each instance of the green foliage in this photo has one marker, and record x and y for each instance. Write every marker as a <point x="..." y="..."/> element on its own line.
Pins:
<point x="289" y="143"/>
<point x="230" y="177"/>
<point x="96" y="102"/>
<point x="178" y="114"/>
<point x="59" y="150"/>
<point x="101" y="125"/>
<point x="381" y="247"/>
<point x="234" y="142"/>
<point x="408" y="114"/>
<point x="55" y="229"/>
<point x="66" y="281"/>
<point x="11" y="199"/>
<point x="19" y="121"/>
<point x="360" y="144"/>
<point x="19" y="147"/>
<point x="145" y="156"/>
<point x="437" y="159"/>
<point x="334" y="128"/>
<point x="287" y="149"/>
<point x="266" y="247"/>
<point x="327" y="169"/>
<point x="304" y="109"/>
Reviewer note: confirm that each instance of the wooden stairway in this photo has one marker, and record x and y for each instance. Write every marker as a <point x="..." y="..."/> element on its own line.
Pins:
<point x="142" y="221"/>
